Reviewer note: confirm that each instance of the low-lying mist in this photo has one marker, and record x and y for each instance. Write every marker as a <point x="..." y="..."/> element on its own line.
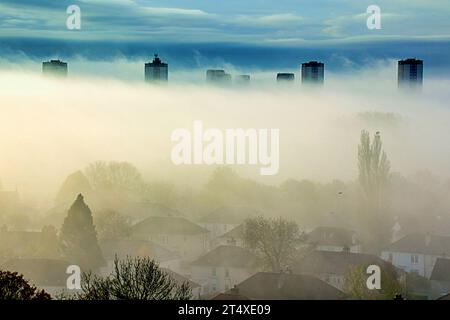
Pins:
<point x="50" y="128"/>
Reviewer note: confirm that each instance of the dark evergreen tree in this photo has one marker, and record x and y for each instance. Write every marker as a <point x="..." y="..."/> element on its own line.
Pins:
<point x="79" y="238"/>
<point x="14" y="287"/>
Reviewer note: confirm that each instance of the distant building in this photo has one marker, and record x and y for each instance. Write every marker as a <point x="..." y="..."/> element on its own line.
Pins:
<point x="47" y="274"/>
<point x="218" y="77"/>
<point x="313" y="72"/>
<point x="417" y="252"/>
<point x="333" y="267"/>
<point x="334" y="239"/>
<point x="243" y="79"/>
<point x="156" y="71"/>
<point x="179" y="235"/>
<point x="410" y="73"/>
<point x="440" y="277"/>
<point x="226" y="218"/>
<point x="180" y="280"/>
<point x="55" y="68"/>
<point x="123" y="248"/>
<point x="233" y="237"/>
<point x="285" y="286"/>
<point x="222" y="268"/>
<point x="285" y="77"/>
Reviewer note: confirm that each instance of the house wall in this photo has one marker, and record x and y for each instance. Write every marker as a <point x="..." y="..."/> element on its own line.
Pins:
<point x="403" y="260"/>
<point x="217" y="229"/>
<point x="189" y="247"/>
<point x="238" y="242"/>
<point x="217" y="279"/>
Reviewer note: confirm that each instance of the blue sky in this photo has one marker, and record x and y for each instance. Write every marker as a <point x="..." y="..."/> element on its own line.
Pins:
<point x="184" y="28"/>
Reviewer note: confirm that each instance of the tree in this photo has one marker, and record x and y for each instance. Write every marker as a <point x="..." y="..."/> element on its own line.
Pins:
<point x="355" y="285"/>
<point x="374" y="174"/>
<point x="114" y="176"/>
<point x="48" y="243"/>
<point x="14" y="287"/>
<point x="374" y="168"/>
<point x="79" y="238"/>
<point x="272" y="239"/>
<point x="133" y="279"/>
<point x="111" y="224"/>
<point x="74" y="184"/>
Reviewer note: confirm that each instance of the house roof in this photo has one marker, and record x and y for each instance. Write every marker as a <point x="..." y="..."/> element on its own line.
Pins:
<point x="230" y="215"/>
<point x="421" y="243"/>
<point x="445" y="297"/>
<point x="167" y="225"/>
<point x="40" y="272"/>
<point x="282" y="286"/>
<point x="441" y="270"/>
<point x="180" y="279"/>
<point x="228" y="256"/>
<point x="332" y="236"/>
<point x="236" y="232"/>
<point x="339" y="263"/>
<point x="135" y="248"/>
<point x="138" y="211"/>
<point x="232" y="294"/>
<point x="18" y="243"/>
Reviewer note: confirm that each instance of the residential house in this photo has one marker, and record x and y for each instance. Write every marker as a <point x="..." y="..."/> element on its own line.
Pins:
<point x="285" y="286"/>
<point x="47" y="274"/>
<point x="417" y="252"/>
<point x="18" y="244"/>
<point x="222" y="268"/>
<point x="177" y="234"/>
<point x="440" y="277"/>
<point x="332" y="267"/>
<point x="232" y="294"/>
<point x="180" y="280"/>
<point x="234" y="237"/>
<point x="226" y="218"/>
<point x="123" y="248"/>
<point x="334" y="239"/>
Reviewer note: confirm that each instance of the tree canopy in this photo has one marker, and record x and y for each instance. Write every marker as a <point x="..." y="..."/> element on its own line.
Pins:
<point x="273" y="239"/>
<point x="79" y="238"/>
<point x="14" y="287"/>
<point x="133" y="279"/>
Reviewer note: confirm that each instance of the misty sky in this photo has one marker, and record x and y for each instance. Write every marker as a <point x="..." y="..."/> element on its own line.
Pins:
<point x="259" y="34"/>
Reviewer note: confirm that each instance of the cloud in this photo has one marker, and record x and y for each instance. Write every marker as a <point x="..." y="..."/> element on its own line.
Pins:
<point x="253" y="21"/>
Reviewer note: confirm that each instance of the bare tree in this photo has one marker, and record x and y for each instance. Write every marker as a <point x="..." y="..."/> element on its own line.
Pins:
<point x="111" y="224"/>
<point x="134" y="279"/>
<point x="273" y="239"/>
<point x="117" y="176"/>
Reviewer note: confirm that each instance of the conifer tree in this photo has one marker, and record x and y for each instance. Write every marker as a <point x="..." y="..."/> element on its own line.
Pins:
<point x="79" y="238"/>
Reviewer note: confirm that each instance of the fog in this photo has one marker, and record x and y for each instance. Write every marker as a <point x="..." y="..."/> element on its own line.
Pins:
<point x="54" y="132"/>
<point x="50" y="128"/>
